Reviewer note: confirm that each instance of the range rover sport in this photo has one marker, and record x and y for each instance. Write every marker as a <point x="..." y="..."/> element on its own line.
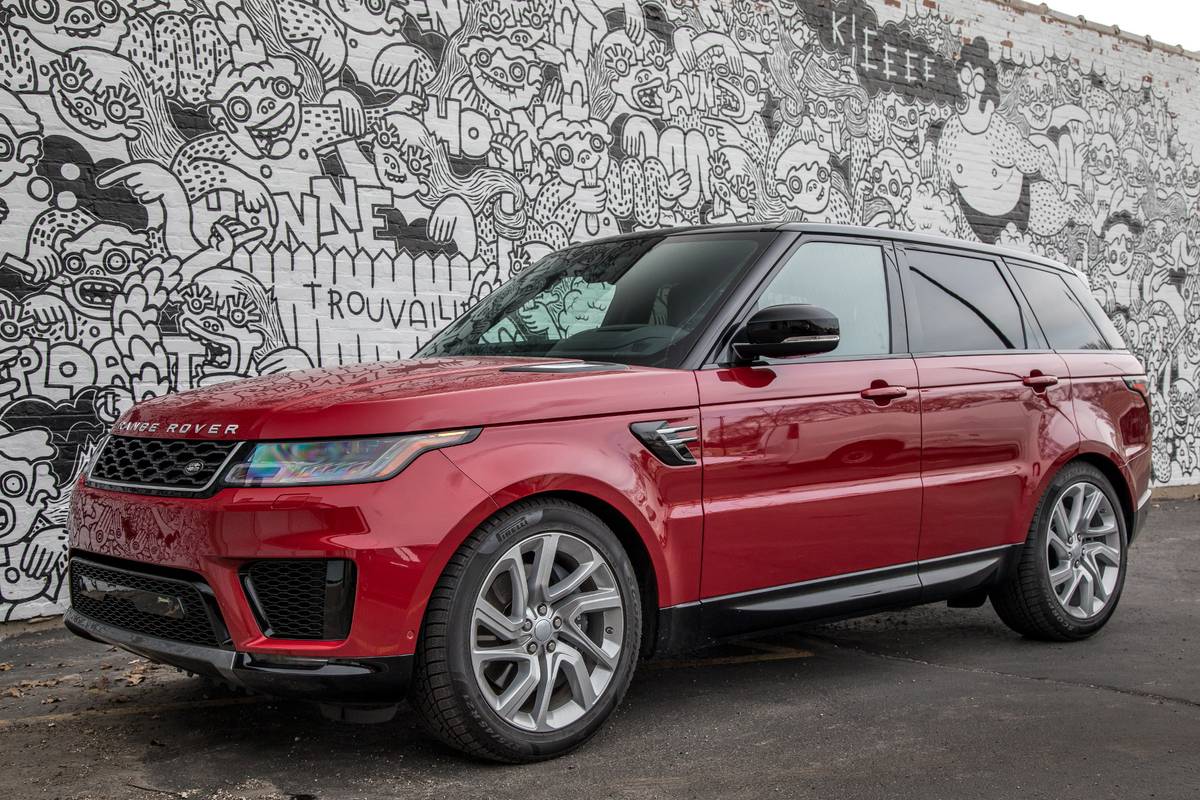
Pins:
<point x="635" y="447"/>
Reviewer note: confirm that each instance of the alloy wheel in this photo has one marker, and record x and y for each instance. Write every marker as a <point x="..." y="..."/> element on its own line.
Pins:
<point x="546" y="631"/>
<point x="1083" y="550"/>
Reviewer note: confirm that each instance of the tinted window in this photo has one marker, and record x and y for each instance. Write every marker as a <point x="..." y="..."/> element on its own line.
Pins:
<point x="847" y="279"/>
<point x="631" y="301"/>
<point x="1063" y="318"/>
<point x="1095" y="311"/>
<point x="962" y="304"/>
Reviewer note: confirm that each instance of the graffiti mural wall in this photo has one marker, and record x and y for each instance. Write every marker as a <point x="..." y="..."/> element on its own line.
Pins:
<point x="193" y="191"/>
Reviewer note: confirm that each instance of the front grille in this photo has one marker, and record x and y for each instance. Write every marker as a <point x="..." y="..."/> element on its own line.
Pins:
<point x="167" y="608"/>
<point x="175" y="466"/>
<point x="310" y="598"/>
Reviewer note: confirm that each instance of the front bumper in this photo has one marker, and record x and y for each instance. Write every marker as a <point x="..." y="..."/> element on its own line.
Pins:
<point x="332" y="680"/>
<point x="399" y="534"/>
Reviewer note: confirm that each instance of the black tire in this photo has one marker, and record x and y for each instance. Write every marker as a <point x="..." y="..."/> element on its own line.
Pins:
<point x="1025" y="600"/>
<point x="445" y="693"/>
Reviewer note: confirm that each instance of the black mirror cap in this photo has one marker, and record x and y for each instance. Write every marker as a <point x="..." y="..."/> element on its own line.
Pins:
<point x="787" y="332"/>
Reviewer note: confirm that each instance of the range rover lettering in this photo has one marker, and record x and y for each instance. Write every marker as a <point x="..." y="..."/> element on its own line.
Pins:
<point x="635" y="447"/>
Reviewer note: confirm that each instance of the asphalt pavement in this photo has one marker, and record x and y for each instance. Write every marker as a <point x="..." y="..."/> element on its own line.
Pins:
<point x="931" y="702"/>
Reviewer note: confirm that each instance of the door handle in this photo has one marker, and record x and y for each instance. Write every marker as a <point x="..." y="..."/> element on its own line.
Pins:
<point x="1039" y="383"/>
<point x="883" y="394"/>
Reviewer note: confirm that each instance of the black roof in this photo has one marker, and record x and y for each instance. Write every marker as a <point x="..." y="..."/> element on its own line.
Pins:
<point x="847" y="230"/>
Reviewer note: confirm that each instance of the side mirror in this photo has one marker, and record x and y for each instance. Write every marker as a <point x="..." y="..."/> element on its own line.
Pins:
<point x="788" y="332"/>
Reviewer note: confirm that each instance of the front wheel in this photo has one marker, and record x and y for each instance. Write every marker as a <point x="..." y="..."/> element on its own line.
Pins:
<point x="531" y="635"/>
<point x="1072" y="568"/>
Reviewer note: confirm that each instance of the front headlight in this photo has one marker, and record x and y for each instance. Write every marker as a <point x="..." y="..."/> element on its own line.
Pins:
<point x="337" y="460"/>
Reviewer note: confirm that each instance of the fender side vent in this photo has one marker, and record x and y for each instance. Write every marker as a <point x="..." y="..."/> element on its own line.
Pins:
<point x="669" y="443"/>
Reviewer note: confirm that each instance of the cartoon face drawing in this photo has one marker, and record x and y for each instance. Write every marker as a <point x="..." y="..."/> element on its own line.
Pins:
<point x="1070" y="82"/>
<point x="636" y="74"/>
<point x="63" y="25"/>
<point x="95" y="265"/>
<point x="401" y="155"/>
<point x="20" y="138"/>
<point x="1120" y="240"/>
<point x="1150" y="130"/>
<point x="802" y="178"/>
<point x="1166" y="178"/>
<point x="1135" y="173"/>
<point x="734" y="189"/>
<point x="889" y="179"/>
<point x="258" y="107"/>
<point x="577" y="149"/>
<point x="1100" y="160"/>
<point x="502" y="71"/>
<point x="1184" y="403"/>
<point x="1156" y="243"/>
<point x="1189" y="179"/>
<point x="752" y="28"/>
<point x="902" y="118"/>
<point x="738" y="96"/>
<point x="979" y="84"/>
<point x="234" y="316"/>
<point x="27" y="482"/>
<point x="90" y="93"/>
<point x="1038" y="95"/>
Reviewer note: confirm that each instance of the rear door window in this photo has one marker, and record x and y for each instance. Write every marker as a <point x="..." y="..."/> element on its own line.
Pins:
<point x="962" y="304"/>
<point x="1065" y="322"/>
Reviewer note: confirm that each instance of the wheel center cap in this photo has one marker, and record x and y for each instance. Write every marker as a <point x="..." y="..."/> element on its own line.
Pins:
<point x="543" y="630"/>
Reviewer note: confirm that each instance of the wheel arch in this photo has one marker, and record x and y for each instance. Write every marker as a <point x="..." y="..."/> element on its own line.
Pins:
<point x="635" y="548"/>
<point x="1108" y="467"/>
<point x="1102" y="460"/>
<point x="649" y="562"/>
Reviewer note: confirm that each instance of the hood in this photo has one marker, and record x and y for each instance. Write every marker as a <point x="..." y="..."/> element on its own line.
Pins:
<point x="407" y="396"/>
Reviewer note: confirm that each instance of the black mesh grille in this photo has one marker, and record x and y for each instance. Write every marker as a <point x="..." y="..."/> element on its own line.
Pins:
<point x="174" y="465"/>
<point x="156" y="606"/>
<point x="302" y="598"/>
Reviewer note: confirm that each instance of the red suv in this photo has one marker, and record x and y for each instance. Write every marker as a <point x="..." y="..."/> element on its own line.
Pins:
<point x="634" y="447"/>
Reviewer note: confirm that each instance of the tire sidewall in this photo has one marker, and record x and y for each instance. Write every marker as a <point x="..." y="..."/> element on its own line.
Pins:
<point x="503" y="534"/>
<point x="1069" y="625"/>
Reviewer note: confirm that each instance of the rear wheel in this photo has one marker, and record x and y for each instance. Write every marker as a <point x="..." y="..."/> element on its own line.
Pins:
<point x="1072" y="569"/>
<point x="531" y="635"/>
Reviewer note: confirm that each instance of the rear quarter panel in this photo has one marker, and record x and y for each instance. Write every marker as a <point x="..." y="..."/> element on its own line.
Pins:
<point x="1113" y="421"/>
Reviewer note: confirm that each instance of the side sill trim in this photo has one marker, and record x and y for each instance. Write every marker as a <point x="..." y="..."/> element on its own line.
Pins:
<point x="689" y="626"/>
<point x="968" y="555"/>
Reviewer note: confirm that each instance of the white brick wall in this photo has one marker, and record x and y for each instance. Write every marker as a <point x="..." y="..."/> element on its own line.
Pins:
<point x="195" y="192"/>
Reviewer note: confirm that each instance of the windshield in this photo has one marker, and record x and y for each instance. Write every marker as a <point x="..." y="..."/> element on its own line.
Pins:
<point x="639" y="301"/>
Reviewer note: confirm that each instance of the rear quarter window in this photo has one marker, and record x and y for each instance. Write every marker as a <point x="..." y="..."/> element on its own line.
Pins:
<point x="1095" y="312"/>
<point x="1065" y="321"/>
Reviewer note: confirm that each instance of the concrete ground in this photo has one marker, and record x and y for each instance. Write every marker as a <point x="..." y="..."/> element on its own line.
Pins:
<point x="928" y="703"/>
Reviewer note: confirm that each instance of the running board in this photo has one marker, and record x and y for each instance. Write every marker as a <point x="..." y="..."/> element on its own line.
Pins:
<point x="688" y="626"/>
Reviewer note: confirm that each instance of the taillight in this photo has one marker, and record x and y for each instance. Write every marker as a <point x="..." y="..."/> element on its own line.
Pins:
<point x="1139" y="384"/>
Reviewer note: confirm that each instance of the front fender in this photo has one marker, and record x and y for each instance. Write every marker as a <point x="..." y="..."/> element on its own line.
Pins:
<point x="600" y="458"/>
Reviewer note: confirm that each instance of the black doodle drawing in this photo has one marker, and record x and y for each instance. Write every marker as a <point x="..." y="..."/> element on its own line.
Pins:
<point x="194" y="192"/>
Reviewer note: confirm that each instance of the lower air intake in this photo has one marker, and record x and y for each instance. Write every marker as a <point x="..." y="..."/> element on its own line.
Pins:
<point x="154" y="605"/>
<point x="306" y="598"/>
